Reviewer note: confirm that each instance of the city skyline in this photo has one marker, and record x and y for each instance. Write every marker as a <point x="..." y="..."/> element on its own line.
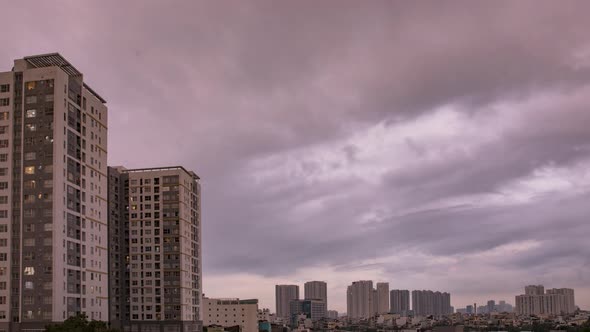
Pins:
<point x="454" y="161"/>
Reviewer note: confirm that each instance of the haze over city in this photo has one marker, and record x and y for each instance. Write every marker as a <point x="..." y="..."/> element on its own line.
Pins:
<point x="428" y="145"/>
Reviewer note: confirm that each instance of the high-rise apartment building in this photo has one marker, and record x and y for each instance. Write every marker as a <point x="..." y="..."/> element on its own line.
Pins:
<point x="534" y="290"/>
<point x="155" y="242"/>
<point x="426" y="302"/>
<point x="284" y="294"/>
<point x="53" y="195"/>
<point x="382" y="298"/>
<point x="360" y="300"/>
<point x="400" y="301"/>
<point x="552" y="302"/>
<point x="317" y="290"/>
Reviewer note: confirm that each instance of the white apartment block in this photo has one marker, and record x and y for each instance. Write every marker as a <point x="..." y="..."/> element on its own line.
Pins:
<point x="382" y="299"/>
<point x="231" y="312"/>
<point x="156" y="249"/>
<point x="360" y="300"/>
<point x="553" y="302"/>
<point x="53" y="187"/>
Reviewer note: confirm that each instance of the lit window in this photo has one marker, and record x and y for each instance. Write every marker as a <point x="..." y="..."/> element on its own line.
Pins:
<point x="31" y="127"/>
<point x="31" y="85"/>
<point x="30" y="170"/>
<point x="31" y="113"/>
<point x="28" y="284"/>
<point x="29" y="271"/>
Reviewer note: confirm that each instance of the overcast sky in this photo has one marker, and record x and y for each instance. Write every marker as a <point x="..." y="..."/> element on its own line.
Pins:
<point x="433" y="145"/>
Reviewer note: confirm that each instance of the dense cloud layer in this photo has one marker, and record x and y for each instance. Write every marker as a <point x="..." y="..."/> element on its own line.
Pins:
<point x="432" y="145"/>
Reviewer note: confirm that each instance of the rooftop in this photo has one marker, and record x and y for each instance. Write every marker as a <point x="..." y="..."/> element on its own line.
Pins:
<point x="55" y="59"/>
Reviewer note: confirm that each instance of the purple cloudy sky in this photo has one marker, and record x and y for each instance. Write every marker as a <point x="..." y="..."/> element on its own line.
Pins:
<point x="434" y="145"/>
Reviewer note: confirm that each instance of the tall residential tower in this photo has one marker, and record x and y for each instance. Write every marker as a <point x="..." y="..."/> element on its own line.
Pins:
<point x="155" y="242"/>
<point x="317" y="290"/>
<point x="360" y="300"/>
<point x="400" y="301"/>
<point x="284" y="294"/>
<point x="53" y="195"/>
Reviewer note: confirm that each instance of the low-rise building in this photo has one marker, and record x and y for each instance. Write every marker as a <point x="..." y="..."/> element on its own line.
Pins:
<point x="231" y="312"/>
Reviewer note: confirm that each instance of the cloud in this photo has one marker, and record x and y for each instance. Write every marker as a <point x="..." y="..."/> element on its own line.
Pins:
<point x="432" y="146"/>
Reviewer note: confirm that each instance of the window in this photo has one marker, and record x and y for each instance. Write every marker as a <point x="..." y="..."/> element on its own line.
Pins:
<point x="4" y="116"/>
<point x="30" y="170"/>
<point x="5" y="88"/>
<point x="3" y="242"/>
<point x="4" y="101"/>
<point x="28" y="284"/>
<point x="31" y="184"/>
<point x="3" y="171"/>
<point x="4" y="143"/>
<point x="3" y="257"/>
<point x="3" y="157"/>
<point x="31" y="113"/>
<point x="49" y="98"/>
<point x="3" y="185"/>
<point x="29" y="271"/>
<point x="3" y="228"/>
<point x="31" y="99"/>
<point x="3" y="129"/>
<point x="31" y="127"/>
<point x="30" y="156"/>
<point x="3" y="213"/>
<point x="31" y="85"/>
<point x="29" y="242"/>
<point x="3" y="199"/>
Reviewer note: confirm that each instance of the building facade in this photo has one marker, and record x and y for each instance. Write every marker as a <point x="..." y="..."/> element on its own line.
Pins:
<point x="427" y="302"/>
<point x="400" y="301"/>
<point x="382" y="298"/>
<point x="284" y="294"/>
<point x="332" y="314"/>
<point x="155" y="249"/>
<point x="231" y="312"/>
<point x="360" y="300"/>
<point x="53" y="195"/>
<point x="317" y="290"/>
<point x="536" y="302"/>
<point x="312" y="309"/>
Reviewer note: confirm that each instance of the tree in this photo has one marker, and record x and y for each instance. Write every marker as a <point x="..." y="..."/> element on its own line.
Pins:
<point x="79" y="323"/>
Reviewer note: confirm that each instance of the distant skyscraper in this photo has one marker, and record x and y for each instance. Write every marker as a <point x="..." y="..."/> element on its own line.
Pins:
<point x="53" y="195"/>
<point x="427" y="302"/>
<point x="284" y="294"/>
<point x="360" y="300"/>
<point x="382" y="298"/>
<point x="400" y="301"/>
<point x="553" y="302"/>
<point x="491" y="306"/>
<point x="469" y="309"/>
<point x="534" y="290"/>
<point x="317" y="290"/>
